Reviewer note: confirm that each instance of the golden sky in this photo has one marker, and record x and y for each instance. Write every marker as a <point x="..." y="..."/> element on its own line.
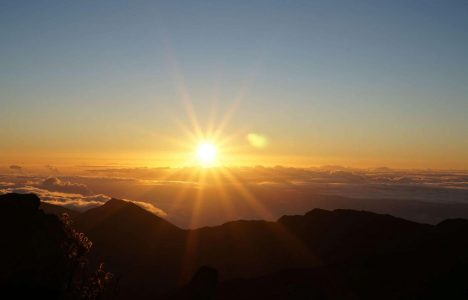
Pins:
<point x="319" y="83"/>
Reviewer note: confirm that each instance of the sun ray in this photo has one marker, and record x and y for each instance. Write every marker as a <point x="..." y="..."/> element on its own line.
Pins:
<point x="184" y="94"/>
<point x="227" y="206"/>
<point x="247" y="195"/>
<point x="282" y="233"/>
<point x="191" y="243"/>
<point x="177" y="201"/>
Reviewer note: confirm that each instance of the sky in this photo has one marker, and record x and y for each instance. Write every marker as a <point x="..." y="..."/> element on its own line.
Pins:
<point x="354" y="83"/>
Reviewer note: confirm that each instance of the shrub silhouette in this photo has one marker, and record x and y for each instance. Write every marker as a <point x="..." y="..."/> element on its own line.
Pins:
<point x="42" y="255"/>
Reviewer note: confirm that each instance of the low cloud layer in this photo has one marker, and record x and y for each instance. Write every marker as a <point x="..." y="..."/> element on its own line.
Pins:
<point x="55" y="184"/>
<point x="70" y="200"/>
<point x="192" y="197"/>
<point x="75" y="196"/>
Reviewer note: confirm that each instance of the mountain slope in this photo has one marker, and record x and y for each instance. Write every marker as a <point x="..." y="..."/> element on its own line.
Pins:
<point x="39" y="255"/>
<point x="139" y="247"/>
<point x="340" y="254"/>
<point x="152" y="256"/>
<point x="57" y="210"/>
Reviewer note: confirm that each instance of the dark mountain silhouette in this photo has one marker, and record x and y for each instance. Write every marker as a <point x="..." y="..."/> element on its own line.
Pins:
<point x="40" y="254"/>
<point x="31" y="254"/>
<point x="340" y="254"/>
<point x="156" y="256"/>
<point x="420" y="262"/>
<point x="203" y="285"/>
<point x="134" y="243"/>
<point x="57" y="210"/>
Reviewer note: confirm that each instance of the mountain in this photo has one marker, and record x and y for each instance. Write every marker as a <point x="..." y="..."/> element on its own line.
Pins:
<point x="155" y="256"/>
<point x="39" y="254"/>
<point x="368" y="256"/>
<point x="339" y="254"/>
<point x="344" y="234"/>
<point x="126" y="215"/>
<point x="57" y="210"/>
<point x="143" y="250"/>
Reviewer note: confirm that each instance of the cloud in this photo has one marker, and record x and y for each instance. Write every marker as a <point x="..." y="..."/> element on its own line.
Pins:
<point x="52" y="168"/>
<point x="55" y="184"/>
<point x="247" y="192"/>
<point x="15" y="168"/>
<point x="6" y="184"/>
<point x="405" y="180"/>
<point x="149" y="207"/>
<point x="77" y="202"/>
<point x="347" y="176"/>
<point x="57" y="191"/>
<point x="73" y="201"/>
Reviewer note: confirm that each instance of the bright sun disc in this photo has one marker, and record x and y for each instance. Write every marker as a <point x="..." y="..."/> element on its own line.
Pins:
<point x="207" y="153"/>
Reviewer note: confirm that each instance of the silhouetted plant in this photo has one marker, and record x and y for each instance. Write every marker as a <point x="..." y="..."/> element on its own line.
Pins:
<point x="94" y="285"/>
<point x="78" y="243"/>
<point x="43" y="256"/>
<point x="82" y="283"/>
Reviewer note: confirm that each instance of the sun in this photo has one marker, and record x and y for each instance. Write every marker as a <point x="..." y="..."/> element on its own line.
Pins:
<point x="207" y="154"/>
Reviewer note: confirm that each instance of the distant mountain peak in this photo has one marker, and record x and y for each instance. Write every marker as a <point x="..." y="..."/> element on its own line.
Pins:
<point x="27" y="202"/>
<point x="117" y="203"/>
<point x="453" y="224"/>
<point x="117" y="212"/>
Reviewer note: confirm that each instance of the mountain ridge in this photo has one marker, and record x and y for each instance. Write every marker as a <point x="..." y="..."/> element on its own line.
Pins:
<point x="363" y="253"/>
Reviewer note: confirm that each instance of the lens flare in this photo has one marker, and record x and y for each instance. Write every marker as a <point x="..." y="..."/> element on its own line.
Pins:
<point x="257" y="140"/>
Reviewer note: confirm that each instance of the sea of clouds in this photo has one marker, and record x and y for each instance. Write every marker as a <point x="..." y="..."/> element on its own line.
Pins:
<point x="194" y="197"/>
